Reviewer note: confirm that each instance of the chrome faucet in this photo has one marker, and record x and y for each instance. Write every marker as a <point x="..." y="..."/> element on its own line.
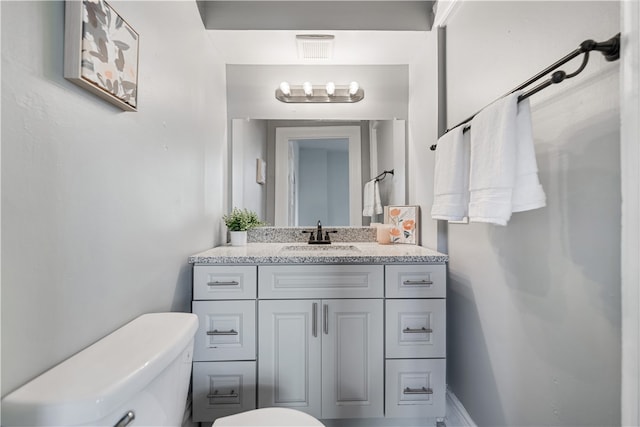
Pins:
<point x="316" y="237"/>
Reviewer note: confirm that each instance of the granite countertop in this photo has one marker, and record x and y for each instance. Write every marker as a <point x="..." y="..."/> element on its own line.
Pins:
<point x="302" y="253"/>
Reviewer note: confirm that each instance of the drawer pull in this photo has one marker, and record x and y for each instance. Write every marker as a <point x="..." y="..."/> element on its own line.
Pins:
<point x="417" y="282"/>
<point x="422" y="390"/>
<point x="229" y="283"/>
<point x="422" y="330"/>
<point x="216" y="395"/>
<point x="217" y="332"/>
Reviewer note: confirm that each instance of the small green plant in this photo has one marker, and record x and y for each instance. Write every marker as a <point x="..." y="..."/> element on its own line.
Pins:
<point x="242" y="220"/>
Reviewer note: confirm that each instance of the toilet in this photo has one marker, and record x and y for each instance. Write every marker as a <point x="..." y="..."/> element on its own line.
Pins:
<point x="137" y="375"/>
<point x="266" y="417"/>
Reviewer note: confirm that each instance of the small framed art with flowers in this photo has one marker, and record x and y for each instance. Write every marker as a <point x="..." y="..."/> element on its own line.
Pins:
<point x="101" y="52"/>
<point x="405" y="223"/>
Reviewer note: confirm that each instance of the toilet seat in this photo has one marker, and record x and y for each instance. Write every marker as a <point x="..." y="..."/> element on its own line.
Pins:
<point x="266" y="417"/>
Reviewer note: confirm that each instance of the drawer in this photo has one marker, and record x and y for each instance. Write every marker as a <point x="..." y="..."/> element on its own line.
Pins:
<point x="320" y="281"/>
<point x="415" y="281"/>
<point x="415" y="328"/>
<point x="226" y="331"/>
<point x="222" y="388"/>
<point x="224" y="282"/>
<point x="415" y="388"/>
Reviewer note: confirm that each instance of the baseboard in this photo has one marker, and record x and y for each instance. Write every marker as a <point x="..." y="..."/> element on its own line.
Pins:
<point x="457" y="416"/>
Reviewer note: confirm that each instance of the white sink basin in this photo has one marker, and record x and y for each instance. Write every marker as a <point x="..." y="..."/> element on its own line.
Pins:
<point x="320" y="248"/>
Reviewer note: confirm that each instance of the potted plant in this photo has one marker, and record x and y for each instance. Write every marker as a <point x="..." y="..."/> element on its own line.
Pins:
<point x="238" y="222"/>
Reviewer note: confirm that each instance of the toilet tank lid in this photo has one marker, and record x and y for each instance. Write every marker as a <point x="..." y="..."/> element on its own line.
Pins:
<point x="94" y="382"/>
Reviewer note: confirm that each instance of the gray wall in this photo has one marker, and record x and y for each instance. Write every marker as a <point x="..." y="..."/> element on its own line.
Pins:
<point x="534" y="307"/>
<point x="100" y="207"/>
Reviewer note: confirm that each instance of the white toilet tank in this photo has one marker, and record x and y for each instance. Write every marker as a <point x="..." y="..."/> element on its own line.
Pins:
<point x="137" y="375"/>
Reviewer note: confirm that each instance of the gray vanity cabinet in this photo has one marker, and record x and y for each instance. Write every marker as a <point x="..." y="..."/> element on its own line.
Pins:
<point x="333" y="340"/>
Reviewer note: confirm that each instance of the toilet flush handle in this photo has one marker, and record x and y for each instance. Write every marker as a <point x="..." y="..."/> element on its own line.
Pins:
<point x="126" y="419"/>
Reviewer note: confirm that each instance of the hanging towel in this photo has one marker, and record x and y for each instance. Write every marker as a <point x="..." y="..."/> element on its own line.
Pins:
<point x="527" y="192"/>
<point x="371" y="204"/>
<point x="502" y="166"/>
<point x="451" y="176"/>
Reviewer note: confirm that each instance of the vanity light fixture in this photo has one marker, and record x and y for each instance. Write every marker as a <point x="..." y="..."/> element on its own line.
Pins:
<point x="307" y="88"/>
<point x="331" y="88"/>
<point x="309" y="93"/>
<point x="353" y="88"/>
<point x="285" y="89"/>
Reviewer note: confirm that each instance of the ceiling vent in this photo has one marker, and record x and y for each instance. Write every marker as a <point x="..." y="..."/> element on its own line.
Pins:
<point x="315" y="46"/>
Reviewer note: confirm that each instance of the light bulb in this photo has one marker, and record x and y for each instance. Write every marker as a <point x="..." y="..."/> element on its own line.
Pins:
<point x="286" y="90"/>
<point x="353" y="88"/>
<point x="308" y="89"/>
<point x="331" y="89"/>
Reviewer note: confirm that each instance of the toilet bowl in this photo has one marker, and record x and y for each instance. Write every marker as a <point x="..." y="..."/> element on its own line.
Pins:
<point x="269" y="417"/>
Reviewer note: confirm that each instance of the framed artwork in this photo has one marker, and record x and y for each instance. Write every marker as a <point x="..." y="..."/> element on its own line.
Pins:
<point x="101" y="52"/>
<point x="405" y="223"/>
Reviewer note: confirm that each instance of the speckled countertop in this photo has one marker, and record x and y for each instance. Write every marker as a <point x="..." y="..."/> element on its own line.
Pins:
<point x="302" y="253"/>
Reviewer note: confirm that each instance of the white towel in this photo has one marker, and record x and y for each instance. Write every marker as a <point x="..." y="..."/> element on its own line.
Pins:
<point x="451" y="176"/>
<point x="503" y="166"/>
<point x="527" y="193"/>
<point x="371" y="204"/>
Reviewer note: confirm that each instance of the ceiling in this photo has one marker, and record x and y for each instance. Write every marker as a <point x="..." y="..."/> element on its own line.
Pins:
<point x="366" y="36"/>
<point x="350" y="47"/>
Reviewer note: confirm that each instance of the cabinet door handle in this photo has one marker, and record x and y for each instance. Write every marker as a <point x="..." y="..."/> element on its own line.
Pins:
<point x="422" y="330"/>
<point x="314" y="319"/>
<point x="417" y="282"/>
<point x="216" y="395"/>
<point x="126" y="419"/>
<point x="422" y="390"/>
<point x="229" y="283"/>
<point x="325" y="316"/>
<point x="217" y="332"/>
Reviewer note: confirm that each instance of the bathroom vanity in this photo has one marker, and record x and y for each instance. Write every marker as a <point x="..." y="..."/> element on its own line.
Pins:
<point x="342" y="331"/>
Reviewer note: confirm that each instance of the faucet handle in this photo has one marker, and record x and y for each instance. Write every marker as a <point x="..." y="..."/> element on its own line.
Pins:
<point x="326" y="234"/>
<point x="311" y="236"/>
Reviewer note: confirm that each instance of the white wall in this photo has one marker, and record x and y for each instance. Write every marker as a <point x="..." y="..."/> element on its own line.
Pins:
<point x="534" y="307"/>
<point x="248" y="142"/>
<point x="422" y="131"/>
<point x="630" y="174"/>
<point x="251" y="91"/>
<point x="100" y="207"/>
<point x="391" y="154"/>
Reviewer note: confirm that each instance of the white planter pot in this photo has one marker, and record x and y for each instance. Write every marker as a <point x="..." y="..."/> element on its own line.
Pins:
<point x="238" y="238"/>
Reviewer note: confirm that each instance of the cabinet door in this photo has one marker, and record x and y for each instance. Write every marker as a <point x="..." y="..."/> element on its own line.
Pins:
<point x="352" y="359"/>
<point x="289" y="355"/>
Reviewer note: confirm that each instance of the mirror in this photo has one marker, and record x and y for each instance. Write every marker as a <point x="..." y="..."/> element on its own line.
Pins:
<point x="296" y="172"/>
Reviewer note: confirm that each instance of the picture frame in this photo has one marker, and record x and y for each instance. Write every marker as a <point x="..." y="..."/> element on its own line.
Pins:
<point x="101" y="52"/>
<point x="405" y="222"/>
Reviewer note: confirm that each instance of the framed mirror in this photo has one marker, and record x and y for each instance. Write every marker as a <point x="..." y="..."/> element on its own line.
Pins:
<point x="315" y="170"/>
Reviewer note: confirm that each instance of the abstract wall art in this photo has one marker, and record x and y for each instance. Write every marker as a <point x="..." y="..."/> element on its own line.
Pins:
<point x="101" y="52"/>
<point x="405" y="223"/>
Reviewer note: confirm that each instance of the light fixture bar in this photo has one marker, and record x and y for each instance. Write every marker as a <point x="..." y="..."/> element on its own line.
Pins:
<point x="321" y="94"/>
